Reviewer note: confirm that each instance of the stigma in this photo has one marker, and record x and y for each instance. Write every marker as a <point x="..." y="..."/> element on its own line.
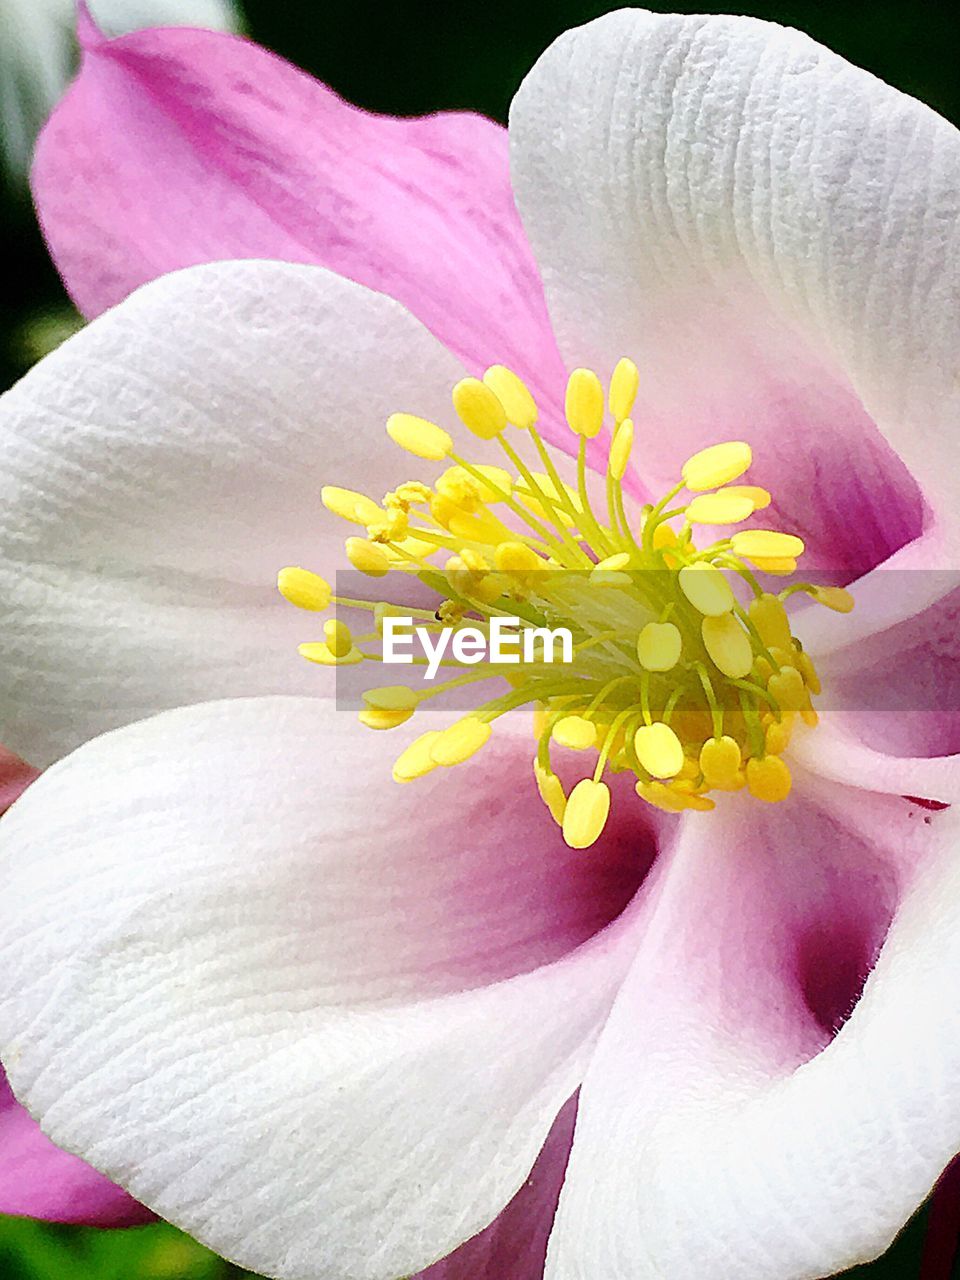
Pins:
<point x="684" y="671"/>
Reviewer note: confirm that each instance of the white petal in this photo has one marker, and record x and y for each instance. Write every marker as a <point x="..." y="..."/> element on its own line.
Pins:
<point x="775" y="236"/>
<point x="726" y="1126"/>
<point x="320" y="1021"/>
<point x="160" y="467"/>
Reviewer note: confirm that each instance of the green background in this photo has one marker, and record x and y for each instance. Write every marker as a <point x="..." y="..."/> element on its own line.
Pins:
<point x="410" y="58"/>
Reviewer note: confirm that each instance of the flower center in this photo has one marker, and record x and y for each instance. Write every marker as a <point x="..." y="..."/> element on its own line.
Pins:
<point x="675" y="676"/>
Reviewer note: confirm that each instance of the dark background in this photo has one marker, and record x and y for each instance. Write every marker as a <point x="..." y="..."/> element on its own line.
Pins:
<point x="409" y="58"/>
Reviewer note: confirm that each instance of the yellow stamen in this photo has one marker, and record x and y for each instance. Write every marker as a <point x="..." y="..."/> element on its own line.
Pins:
<point x="659" y="750"/>
<point x="338" y="636"/>
<point x="551" y="792"/>
<point x="720" y="760"/>
<point x="462" y="740"/>
<point x="706" y="588"/>
<point x="478" y="408"/>
<point x="836" y="598"/>
<point x="585" y="816"/>
<point x="721" y="507"/>
<point x="575" y="732"/>
<point x="584" y="403"/>
<point x="768" y="779"/>
<point x="620" y="450"/>
<point x="728" y="645"/>
<point x="349" y="505"/>
<point x="759" y="497"/>
<point x="767" y="544"/>
<point x="422" y="438"/>
<point x="665" y="674"/>
<point x="512" y="392"/>
<point x="624" y="385"/>
<point x="416" y="761"/>
<point x="717" y="465"/>
<point x="369" y="557"/>
<point x="304" y="589"/>
<point x="659" y="646"/>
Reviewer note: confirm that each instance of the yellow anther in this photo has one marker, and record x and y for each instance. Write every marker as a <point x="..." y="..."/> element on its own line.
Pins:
<point x="478" y="408"/>
<point x="575" y="732"/>
<point x="392" y="528"/>
<point x="768" y="779"/>
<point x="809" y="672"/>
<point x="551" y="792"/>
<point x="320" y="652"/>
<point x="420" y="437"/>
<point x="585" y="816"/>
<point x="759" y="497"/>
<point x="584" y="403"/>
<point x="391" y="697"/>
<point x="671" y="800"/>
<point x="620" y="450"/>
<point x="836" y="598"/>
<point x="706" y="588"/>
<point x="720" y="760"/>
<point x="483" y="527"/>
<point x="350" y="505"/>
<point x="378" y="718"/>
<point x="410" y="547"/>
<point x="338" y="637"/>
<point x="369" y="557"/>
<point x="468" y="491"/>
<point x="513" y="394"/>
<point x="721" y="507"/>
<point x="766" y="544"/>
<point x="304" y="589"/>
<point x="624" y="385"/>
<point x="663" y="536"/>
<point x="416" y="761"/>
<point x="770" y="618"/>
<point x="809" y="716"/>
<point x="659" y="646"/>
<point x="788" y="688"/>
<point x="777" y="736"/>
<point x="660" y="797"/>
<point x="612" y="563"/>
<point x="778" y="566"/>
<point x="517" y="559"/>
<point x="460" y="741"/>
<point x="717" y="465"/>
<point x="607" y="572"/>
<point x="659" y="750"/>
<point x="411" y="491"/>
<point x="728" y="645"/>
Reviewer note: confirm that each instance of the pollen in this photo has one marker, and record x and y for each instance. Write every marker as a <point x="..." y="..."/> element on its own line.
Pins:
<point x="685" y="672"/>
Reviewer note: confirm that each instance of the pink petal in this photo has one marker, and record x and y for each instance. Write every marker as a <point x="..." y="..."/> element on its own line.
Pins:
<point x="514" y="1246"/>
<point x="177" y="147"/>
<point x="774" y="1092"/>
<point x="38" y="1180"/>
<point x="15" y="776"/>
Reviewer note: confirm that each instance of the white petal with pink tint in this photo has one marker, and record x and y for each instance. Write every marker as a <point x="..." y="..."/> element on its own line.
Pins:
<point x="160" y="467"/>
<point x="727" y="1127"/>
<point x="774" y="235"/>
<point x="320" y="1021"/>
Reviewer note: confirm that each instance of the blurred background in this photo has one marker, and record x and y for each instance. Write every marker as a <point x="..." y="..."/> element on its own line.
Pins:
<point x="407" y="58"/>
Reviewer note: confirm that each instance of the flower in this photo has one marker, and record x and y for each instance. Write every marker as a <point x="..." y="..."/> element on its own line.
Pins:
<point x="335" y="1026"/>
<point x="37" y="53"/>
